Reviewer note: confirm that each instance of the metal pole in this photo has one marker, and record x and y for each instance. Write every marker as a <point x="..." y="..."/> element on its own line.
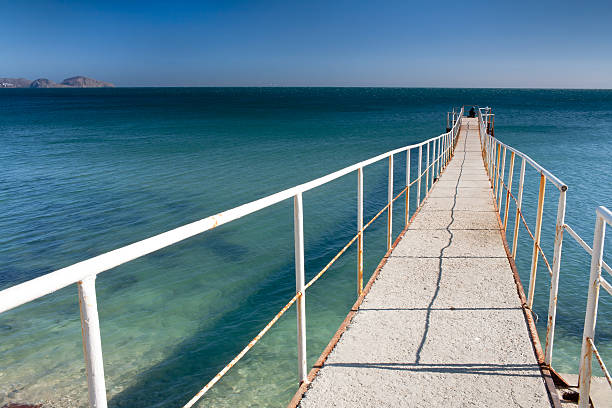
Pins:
<point x="298" y="224"/>
<point x="92" y="343"/>
<point x="490" y="158"/>
<point x="427" y="172"/>
<point x="536" y="242"/>
<point x="407" y="215"/>
<point x="390" y="200"/>
<point x="448" y="146"/>
<point x="497" y="170"/>
<point x="519" y="200"/>
<point x="360" y="230"/>
<point x="501" y="181"/>
<point x="446" y="149"/>
<point x="433" y="161"/>
<point x="590" y="319"/>
<point x="554" y="280"/>
<point x="418" y="200"/>
<point x="511" y="170"/>
<point x="439" y="158"/>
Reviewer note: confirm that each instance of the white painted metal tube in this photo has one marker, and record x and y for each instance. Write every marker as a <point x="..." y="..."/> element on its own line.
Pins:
<point x="92" y="343"/>
<point x="390" y="201"/>
<point x="590" y="319"/>
<point x="604" y="284"/>
<point x="360" y="230"/>
<point x="554" y="280"/>
<point x="407" y="216"/>
<point x="586" y="247"/>
<point x="298" y="223"/>
<point x="433" y="162"/>
<point x="497" y="170"/>
<point x="427" y="172"/>
<point x="418" y="200"/>
<point x="519" y="200"/>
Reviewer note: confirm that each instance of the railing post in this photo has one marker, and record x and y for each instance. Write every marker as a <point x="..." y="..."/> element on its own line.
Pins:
<point x="498" y="148"/>
<point x="360" y="230"/>
<point x="427" y="172"/>
<point x="92" y="343"/>
<point x="298" y="225"/>
<point x="511" y="172"/>
<point x="491" y="169"/>
<point x="418" y="200"/>
<point x="554" y="280"/>
<point x="590" y="319"/>
<point x="407" y="215"/>
<point x="501" y="181"/>
<point x="440" y="156"/>
<point x="536" y="243"/>
<point x="390" y="200"/>
<point x="433" y="161"/>
<point x="519" y="200"/>
<point x="448" y="148"/>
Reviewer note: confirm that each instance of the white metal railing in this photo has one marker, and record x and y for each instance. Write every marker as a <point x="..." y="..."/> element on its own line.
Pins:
<point x="492" y="154"/>
<point x="439" y="151"/>
<point x="604" y="216"/>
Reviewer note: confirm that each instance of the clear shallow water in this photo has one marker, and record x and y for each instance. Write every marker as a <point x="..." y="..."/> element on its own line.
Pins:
<point x="86" y="171"/>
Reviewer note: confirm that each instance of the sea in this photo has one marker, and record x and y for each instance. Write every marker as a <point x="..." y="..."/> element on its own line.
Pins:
<point x="86" y="171"/>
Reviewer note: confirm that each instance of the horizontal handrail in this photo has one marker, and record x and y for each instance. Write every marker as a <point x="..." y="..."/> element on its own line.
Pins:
<point x="53" y="281"/>
<point x="586" y="246"/>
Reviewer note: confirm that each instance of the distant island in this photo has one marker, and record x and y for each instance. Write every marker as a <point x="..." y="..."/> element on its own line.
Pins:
<point x="73" y="82"/>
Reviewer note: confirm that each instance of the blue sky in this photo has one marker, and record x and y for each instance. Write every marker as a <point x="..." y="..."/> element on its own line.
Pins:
<point x="311" y="43"/>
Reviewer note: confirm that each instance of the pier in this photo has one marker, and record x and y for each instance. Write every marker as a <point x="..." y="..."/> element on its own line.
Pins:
<point x="442" y="325"/>
<point x="444" y="321"/>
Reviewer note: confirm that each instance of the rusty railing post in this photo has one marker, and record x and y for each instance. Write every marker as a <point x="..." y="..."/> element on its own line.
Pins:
<point x="498" y="148"/>
<point x="536" y="242"/>
<point x="519" y="200"/>
<point x="511" y="171"/>
<point x="554" y="280"/>
<point x="501" y="181"/>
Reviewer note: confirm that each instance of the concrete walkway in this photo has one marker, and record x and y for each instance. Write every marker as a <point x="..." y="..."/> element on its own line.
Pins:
<point x="442" y="326"/>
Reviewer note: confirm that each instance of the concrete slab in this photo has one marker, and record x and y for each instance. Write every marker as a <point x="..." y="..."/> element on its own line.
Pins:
<point x="460" y="192"/>
<point x="429" y="220"/>
<point x="459" y="203"/>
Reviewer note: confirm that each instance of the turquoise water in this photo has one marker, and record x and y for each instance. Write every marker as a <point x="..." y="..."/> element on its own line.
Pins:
<point x="87" y="171"/>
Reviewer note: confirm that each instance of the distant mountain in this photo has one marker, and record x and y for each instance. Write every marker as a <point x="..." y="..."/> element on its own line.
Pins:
<point x="14" y="83"/>
<point x="74" y="82"/>
<point x="44" y="83"/>
<point x="84" y="82"/>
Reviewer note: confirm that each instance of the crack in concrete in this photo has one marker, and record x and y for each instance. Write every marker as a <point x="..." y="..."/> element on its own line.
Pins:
<point x="441" y="257"/>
